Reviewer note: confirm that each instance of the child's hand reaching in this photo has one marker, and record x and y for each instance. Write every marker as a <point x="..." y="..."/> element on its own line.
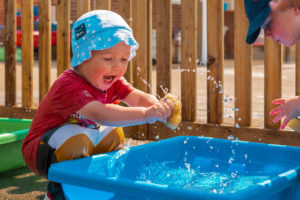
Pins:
<point x="288" y="109"/>
<point x="160" y="111"/>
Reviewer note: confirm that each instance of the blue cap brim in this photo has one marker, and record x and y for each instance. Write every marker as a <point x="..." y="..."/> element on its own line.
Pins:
<point x="255" y="25"/>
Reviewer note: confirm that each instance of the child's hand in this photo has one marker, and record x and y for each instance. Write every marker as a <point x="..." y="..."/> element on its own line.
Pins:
<point x="159" y="111"/>
<point x="288" y="109"/>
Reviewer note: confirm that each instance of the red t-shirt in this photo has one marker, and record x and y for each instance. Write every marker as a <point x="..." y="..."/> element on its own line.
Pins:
<point x="68" y="94"/>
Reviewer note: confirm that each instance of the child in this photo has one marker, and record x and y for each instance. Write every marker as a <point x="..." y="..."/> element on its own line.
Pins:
<point x="284" y="28"/>
<point x="78" y="117"/>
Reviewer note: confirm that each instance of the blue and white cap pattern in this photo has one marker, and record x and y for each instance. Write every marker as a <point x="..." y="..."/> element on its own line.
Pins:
<point x="99" y="30"/>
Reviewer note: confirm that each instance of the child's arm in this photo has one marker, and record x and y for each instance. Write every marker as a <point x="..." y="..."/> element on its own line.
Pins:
<point x="115" y="115"/>
<point x="287" y="110"/>
<point x="140" y="98"/>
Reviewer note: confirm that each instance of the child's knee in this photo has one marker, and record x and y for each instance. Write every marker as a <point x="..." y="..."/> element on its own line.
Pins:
<point x="77" y="146"/>
<point x="114" y="140"/>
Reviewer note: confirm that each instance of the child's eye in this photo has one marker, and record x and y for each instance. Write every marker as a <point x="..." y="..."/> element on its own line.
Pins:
<point x="124" y="59"/>
<point x="107" y="59"/>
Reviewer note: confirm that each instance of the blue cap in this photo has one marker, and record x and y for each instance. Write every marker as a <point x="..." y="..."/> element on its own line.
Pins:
<point x="257" y="12"/>
<point x="99" y="30"/>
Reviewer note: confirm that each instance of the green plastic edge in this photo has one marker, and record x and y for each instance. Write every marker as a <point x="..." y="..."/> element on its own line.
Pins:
<point x="13" y="136"/>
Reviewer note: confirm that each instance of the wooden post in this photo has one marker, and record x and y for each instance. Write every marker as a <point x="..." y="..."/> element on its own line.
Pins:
<point x="149" y="46"/>
<point x="273" y="64"/>
<point x="63" y="36"/>
<point x="199" y="30"/>
<point x="83" y="6"/>
<point x="125" y="10"/>
<point x="139" y="66"/>
<point x="163" y="46"/>
<point x="215" y="65"/>
<point x="27" y="53"/>
<point x="103" y="5"/>
<point x="242" y="67"/>
<point x="297" y="73"/>
<point x="44" y="47"/>
<point x="189" y="59"/>
<point x="10" y="52"/>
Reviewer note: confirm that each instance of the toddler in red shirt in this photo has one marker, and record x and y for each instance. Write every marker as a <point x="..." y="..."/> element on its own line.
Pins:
<point x="78" y="117"/>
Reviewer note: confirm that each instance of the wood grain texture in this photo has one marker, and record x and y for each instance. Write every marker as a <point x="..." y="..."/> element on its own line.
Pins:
<point x="242" y="67"/>
<point x="44" y="47"/>
<point x="273" y="67"/>
<point x="10" y="52"/>
<point x="27" y="53"/>
<point x="215" y="65"/>
<point x="63" y="36"/>
<point x="189" y="59"/>
<point x="163" y="46"/>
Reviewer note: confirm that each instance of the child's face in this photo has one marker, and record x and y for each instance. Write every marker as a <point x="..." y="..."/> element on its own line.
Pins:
<point x="284" y="27"/>
<point x="106" y="66"/>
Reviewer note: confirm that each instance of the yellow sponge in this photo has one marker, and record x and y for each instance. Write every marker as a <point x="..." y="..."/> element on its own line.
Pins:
<point x="175" y="118"/>
<point x="295" y="124"/>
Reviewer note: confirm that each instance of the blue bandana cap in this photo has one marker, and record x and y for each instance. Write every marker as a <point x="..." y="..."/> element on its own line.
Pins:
<point x="257" y="12"/>
<point x="99" y="30"/>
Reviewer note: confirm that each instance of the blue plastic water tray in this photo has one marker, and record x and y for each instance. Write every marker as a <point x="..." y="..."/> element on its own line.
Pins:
<point x="185" y="168"/>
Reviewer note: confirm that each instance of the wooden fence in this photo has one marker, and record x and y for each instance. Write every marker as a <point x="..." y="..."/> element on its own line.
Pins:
<point x="138" y="13"/>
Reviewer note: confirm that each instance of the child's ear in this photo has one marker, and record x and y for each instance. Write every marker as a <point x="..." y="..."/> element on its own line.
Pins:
<point x="297" y="11"/>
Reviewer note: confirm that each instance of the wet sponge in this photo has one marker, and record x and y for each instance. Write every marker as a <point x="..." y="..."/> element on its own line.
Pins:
<point x="295" y="124"/>
<point x="175" y="118"/>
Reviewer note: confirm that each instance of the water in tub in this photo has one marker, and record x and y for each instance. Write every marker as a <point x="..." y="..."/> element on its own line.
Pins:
<point x="199" y="173"/>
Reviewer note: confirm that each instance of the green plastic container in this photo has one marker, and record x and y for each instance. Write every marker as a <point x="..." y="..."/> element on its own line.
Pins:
<point x="12" y="133"/>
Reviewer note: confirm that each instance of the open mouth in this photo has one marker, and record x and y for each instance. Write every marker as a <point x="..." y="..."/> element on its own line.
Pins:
<point x="108" y="79"/>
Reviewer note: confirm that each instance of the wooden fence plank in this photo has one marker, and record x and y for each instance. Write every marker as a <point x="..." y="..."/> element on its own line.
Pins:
<point x="242" y="67"/>
<point x="103" y="5"/>
<point x="124" y="8"/>
<point x="199" y="30"/>
<point x="163" y="46"/>
<point x="82" y="6"/>
<point x="297" y="72"/>
<point x="273" y="65"/>
<point x="139" y="66"/>
<point x="10" y="52"/>
<point x="17" y="112"/>
<point x="149" y="46"/>
<point x="27" y="53"/>
<point x="215" y="65"/>
<point x="44" y="47"/>
<point x="63" y="36"/>
<point x="260" y="135"/>
<point x="189" y="59"/>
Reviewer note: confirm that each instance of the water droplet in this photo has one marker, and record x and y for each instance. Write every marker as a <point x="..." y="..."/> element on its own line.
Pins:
<point x="240" y="119"/>
<point x="230" y="137"/>
<point x="237" y="125"/>
<point x="157" y="137"/>
<point x="235" y="109"/>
